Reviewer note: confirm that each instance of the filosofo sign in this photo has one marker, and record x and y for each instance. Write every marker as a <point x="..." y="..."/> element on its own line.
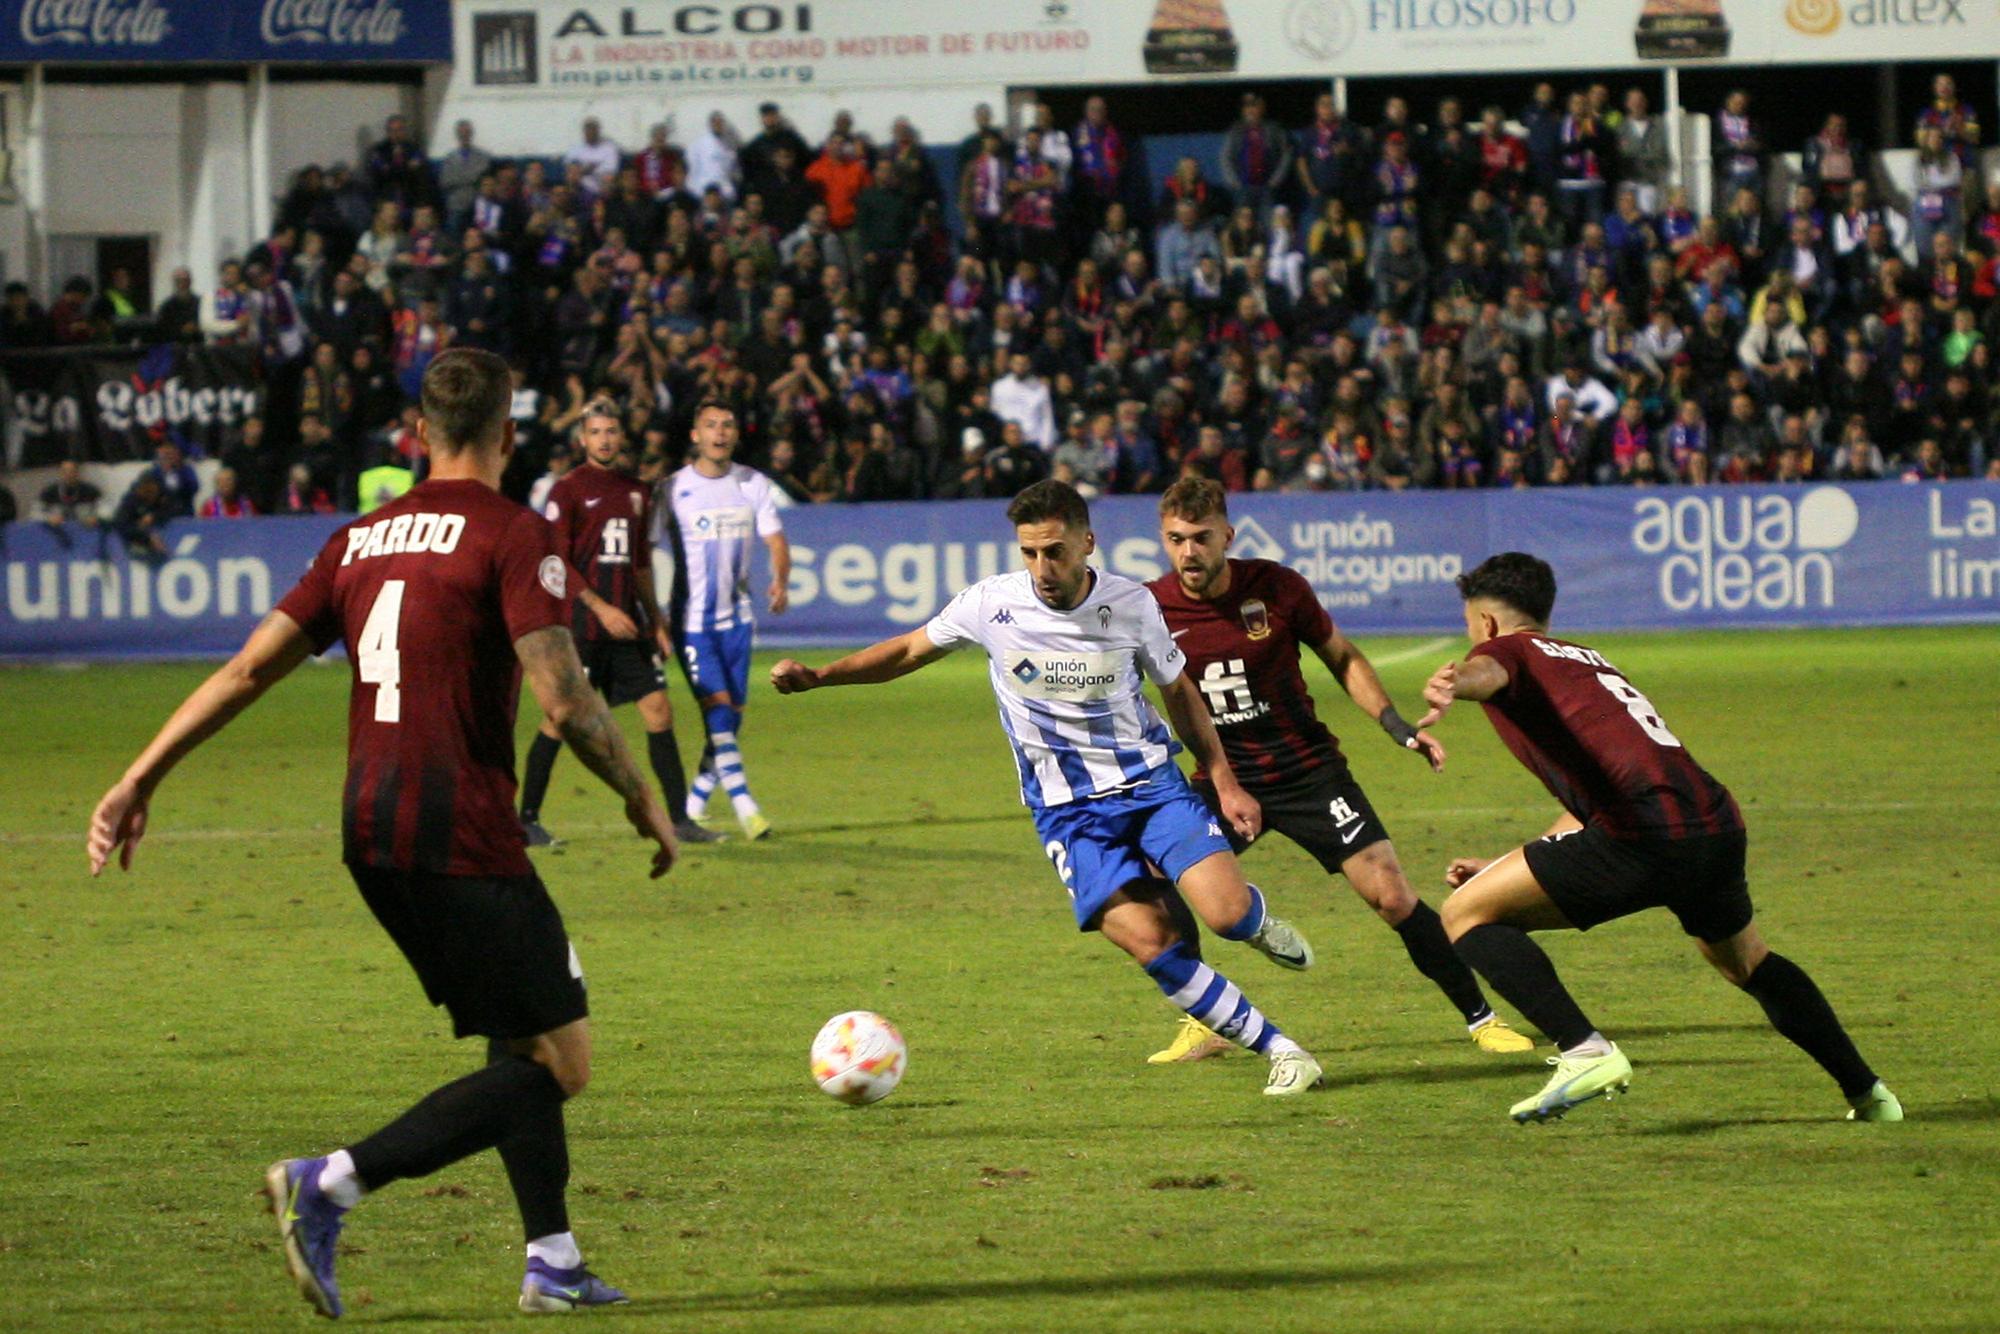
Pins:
<point x="57" y="31"/>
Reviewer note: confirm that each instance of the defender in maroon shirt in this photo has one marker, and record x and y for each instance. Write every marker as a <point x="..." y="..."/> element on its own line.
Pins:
<point x="443" y="597"/>
<point x="602" y="517"/>
<point x="1643" y="826"/>
<point x="1242" y="625"/>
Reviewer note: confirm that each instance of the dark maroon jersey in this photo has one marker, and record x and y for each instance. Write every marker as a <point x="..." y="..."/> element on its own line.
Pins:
<point x="1243" y="651"/>
<point x="1598" y="745"/>
<point x="603" y="528"/>
<point x="430" y="592"/>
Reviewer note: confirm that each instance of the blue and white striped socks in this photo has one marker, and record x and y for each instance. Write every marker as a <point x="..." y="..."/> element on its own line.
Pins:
<point x="723" y="720"/>
<point x="1214" y="1000"/>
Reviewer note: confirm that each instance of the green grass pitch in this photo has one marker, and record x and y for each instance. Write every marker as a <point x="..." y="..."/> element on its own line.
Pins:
<point x="170" y="1033"/>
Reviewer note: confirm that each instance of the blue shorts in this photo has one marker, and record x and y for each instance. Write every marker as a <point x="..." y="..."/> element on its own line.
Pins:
<point x="1102" y="844"/>
<point x="718" y="662"/>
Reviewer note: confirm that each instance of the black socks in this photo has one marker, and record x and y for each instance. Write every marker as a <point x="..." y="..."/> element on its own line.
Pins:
<point x="535" y="777"/>
<point x="1796" y="1009"/>
<point x="512" y="1099"/>
<point x="1430" y="950"/>
<point x="665" y="753"/>
<point x="1517" y="968"/>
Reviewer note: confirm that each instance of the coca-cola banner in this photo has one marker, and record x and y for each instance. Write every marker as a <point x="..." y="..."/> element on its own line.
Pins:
<point x="109" y="405"/>
<point x="58" y="31"/>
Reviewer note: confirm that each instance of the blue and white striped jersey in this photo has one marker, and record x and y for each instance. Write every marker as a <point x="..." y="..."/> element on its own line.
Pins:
<point x="711" y="526"/>
<point x="1071" y="684"/>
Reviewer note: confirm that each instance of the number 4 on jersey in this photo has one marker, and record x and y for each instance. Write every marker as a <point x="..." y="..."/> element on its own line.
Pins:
<point x="376" y="657"/>
<point x="1641" y="708"/>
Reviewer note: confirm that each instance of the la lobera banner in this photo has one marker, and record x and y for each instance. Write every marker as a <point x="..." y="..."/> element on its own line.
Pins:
<point x="1639" y="559"/>
<point x="114" y="404"/>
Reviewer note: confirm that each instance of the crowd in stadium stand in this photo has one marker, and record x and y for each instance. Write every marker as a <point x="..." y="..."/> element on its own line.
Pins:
<point x="1486" y="297"/>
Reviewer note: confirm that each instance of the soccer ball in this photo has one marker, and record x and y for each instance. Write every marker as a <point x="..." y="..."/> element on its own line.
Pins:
<point x="859" y="1058"/>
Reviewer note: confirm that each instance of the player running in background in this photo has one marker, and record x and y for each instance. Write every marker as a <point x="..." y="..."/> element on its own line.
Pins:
<point x="1241" y="624"/>
<point x="708" y="513"/>
<point x="1644" y="826"/>
<point x="1069" y="651"/>
<point x="445" y="597"/>
<point x="603" y="521"/>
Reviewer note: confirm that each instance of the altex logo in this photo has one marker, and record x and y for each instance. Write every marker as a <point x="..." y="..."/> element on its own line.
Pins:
<point x="1814" y="18"/>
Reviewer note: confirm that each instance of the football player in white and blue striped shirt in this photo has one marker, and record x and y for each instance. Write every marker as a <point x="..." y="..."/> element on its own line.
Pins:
<point x="1069" y="650"/>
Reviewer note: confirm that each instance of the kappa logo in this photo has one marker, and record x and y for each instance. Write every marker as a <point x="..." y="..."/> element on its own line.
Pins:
<point x="1026" y="672"/>
<point x="1001" y="617"/>
<point x="1254" y="543"/>
<point x="1214" y="829"/>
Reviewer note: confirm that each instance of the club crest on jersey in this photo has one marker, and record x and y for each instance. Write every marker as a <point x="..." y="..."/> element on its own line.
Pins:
<point x="553" y="576"/>
<point x="1256" y="619"/>
<point x="1104" y="618"/>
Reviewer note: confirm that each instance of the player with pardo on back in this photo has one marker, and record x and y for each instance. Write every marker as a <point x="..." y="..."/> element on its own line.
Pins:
<point x="1245" y="625"/>
<point x="1069" y="650"/>
<point x="1643" y="826"/>
<point x="445" y="597"/>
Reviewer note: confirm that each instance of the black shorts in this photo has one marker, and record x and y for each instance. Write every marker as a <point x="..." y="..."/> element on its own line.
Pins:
<point x="623" y="670"/>
<point x="1324" y="811"/>
<point x="490" y="949"/>
<point x="1596" y="878"/>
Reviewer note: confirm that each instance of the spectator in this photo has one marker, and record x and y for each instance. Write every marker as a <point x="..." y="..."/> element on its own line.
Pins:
<point x="459" y="174"/>
<point x="1739" y="146"/>
<point x="1642" y="150"/>
<point x="1022" y="398"/>
<point x="175" y="477"/>
<point x="228" y="502"/>
<point x="598" y="157"/>
<point x="1101" y="155"/>
<point x="1940" y="191"/>
<point x="1182" y="244"/>
<point x="397" y="171"/>
<point x="1833" y="162"/>
<point x="1955" y="121"/>
<point x="1015" y="463"/>
<point x="23" y="322"/>
<point x="69" y="499"/>
<point x="1256" y="156"/>
<point x="774" y="134"/>
<point x="384" y="482"/>
<point x="142" y="516"/>
<point x="70" y="316"/>
<point x="178" y="318"/>
<point x="840" y="175"/>
<point x="712" y="160"/>
<point x="302" y="495"/>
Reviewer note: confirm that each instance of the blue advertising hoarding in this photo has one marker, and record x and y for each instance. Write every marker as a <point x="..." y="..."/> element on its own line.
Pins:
<point x="1382" y="563"/>
<point x="157" y="31"/>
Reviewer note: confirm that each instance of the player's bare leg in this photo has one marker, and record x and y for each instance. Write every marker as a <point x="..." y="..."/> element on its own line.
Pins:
<point x="656" y="713"/>
<point x="1488" y="920"/>
<point x="1145" y="928"/>
<point x="1377" y="876"/>
<point x="1797" y="1010"/>
<point x="541" y="763"/>
<point x="1234" y="909"/>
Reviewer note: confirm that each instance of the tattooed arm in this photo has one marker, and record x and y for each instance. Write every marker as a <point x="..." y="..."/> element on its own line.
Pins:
<point x="554" y="673"/>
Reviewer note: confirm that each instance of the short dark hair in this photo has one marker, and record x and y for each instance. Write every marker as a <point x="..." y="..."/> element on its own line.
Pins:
<point x="1048" y="500"/>
<point x="467" y="394"/>
<point x="707" y="404"/>
<point x="1525" y="583"/>
<point x="1194" y="498"/>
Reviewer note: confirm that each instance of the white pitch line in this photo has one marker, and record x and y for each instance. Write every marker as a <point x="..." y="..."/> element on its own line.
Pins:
<point x="1423" y="650"/>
